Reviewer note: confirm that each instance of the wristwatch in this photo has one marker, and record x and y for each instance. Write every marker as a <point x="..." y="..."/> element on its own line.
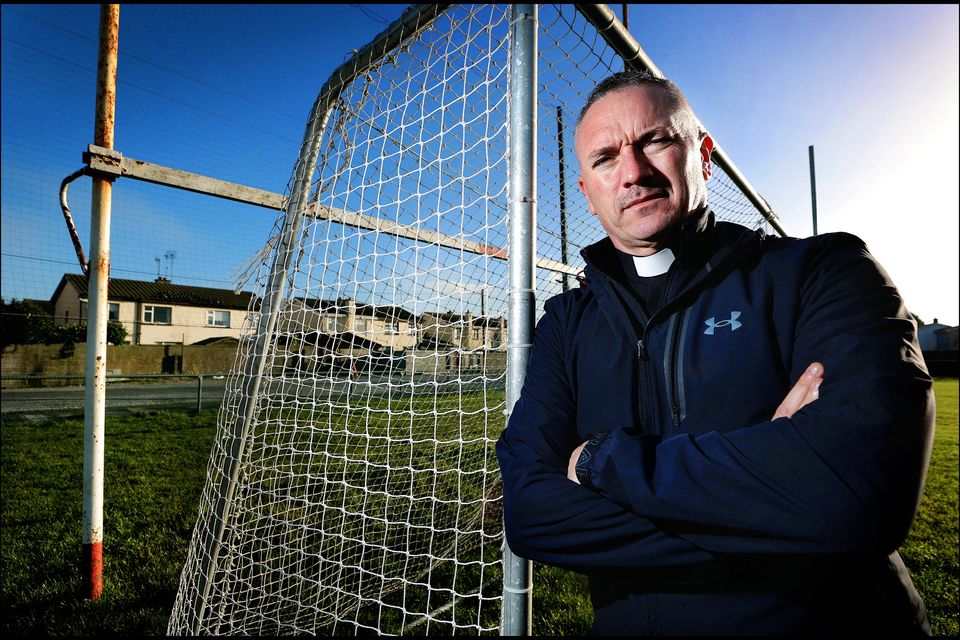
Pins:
<point x="584" y="462"/>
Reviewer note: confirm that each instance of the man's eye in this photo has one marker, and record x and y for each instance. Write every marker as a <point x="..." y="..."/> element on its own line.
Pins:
<point x="601" y="160"/>
<point x="660" y="141"/>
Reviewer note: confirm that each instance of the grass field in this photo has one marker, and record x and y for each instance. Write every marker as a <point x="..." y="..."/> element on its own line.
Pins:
<point x="156" y="465"/>
<point x="930" y="551"/>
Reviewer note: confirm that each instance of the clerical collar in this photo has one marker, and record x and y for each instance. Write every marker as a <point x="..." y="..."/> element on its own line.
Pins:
<point x="655" y="265"/>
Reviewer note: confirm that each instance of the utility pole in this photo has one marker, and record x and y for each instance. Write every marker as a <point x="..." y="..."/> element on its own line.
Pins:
<point x="813" y="190"/>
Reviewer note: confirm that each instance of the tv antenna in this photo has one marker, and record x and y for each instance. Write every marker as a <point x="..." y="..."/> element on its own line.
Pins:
<point x="170" y="255"/>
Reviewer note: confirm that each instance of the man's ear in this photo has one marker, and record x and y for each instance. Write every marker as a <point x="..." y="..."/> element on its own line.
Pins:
<point x="706" y="148"/>
<point x="586" y="195"/>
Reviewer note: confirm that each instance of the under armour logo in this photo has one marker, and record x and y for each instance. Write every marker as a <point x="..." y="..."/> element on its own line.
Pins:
<point x="733" y="323"/>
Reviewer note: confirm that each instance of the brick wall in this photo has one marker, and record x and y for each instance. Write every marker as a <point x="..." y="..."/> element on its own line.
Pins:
<point x="49" y="360"/>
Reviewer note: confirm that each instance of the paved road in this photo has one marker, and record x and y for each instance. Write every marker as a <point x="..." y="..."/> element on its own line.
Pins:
<point x="122" y="398"/>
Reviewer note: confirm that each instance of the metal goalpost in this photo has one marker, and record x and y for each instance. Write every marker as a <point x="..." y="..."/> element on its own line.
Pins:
<point x="353" y="486"/>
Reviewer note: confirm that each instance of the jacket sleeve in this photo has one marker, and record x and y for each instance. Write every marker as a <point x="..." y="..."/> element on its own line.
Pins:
<point x="844" y="475"/>
<point x="549" y="518"/>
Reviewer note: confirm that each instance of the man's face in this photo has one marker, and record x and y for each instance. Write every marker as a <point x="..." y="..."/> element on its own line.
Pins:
<point x="643" y="168"/>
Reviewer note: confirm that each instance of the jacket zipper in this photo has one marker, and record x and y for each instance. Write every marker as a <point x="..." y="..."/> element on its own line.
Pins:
<point x="672" y="366"/>
<point x="645" y="394"/>
<point x="669" y="361"/>
<point x="644" y="391"/>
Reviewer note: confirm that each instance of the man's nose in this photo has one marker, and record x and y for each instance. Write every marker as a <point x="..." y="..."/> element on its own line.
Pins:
<point x="634" y="166"/>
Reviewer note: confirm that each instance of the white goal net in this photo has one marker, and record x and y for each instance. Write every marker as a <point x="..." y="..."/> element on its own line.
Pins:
<point x="353" y="486"/>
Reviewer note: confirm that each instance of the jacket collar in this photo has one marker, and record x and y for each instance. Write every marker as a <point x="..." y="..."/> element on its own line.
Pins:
<point x="704" y="247"/>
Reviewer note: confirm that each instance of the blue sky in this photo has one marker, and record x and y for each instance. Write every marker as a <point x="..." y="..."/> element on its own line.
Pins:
<point x="873" y="88"/>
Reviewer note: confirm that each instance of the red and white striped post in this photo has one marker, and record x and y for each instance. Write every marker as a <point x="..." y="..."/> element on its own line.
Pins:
<point x="96" y="387"/>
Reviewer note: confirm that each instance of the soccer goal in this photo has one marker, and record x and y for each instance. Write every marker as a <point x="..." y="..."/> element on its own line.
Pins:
<point x="353" y="486"/>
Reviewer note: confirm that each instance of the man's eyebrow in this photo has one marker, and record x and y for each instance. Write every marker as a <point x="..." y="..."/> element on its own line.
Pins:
<point x="657" y="131"/>
<point x="646" y="136"/>
<point x="602" y="150"/>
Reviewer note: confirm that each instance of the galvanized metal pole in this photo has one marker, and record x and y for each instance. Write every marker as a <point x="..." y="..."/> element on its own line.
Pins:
<point x="564" y="258"/>
<point x="813" y="190"/>
<point x="96" y="372"/>
<point x="626" y="27"/>
<point x="517" y="572"/>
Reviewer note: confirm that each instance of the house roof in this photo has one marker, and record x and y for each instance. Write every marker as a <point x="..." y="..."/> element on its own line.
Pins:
<point x="43" y="304"/>
<point x="166" y="292"/>
<point x="451" y="318"/>
<point x="221" y="340"/>
<point x="385" y="311"/>
<point x="433" y="342"/>
<point x="340" y="340"/>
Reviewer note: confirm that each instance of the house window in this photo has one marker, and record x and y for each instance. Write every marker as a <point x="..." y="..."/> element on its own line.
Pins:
<point x="157" y="315"/>
<point x="391" y="326"/>
<point x="113" y="313"/>
<point x="218" y="318"/>
<point x="476" y="334"/>
<point x="362" y="325"/>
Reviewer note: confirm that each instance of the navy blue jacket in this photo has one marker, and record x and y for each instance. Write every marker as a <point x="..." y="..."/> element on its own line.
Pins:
<point x="700" y="515"/>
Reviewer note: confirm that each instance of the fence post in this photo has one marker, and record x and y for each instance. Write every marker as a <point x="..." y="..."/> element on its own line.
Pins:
<point x="96" y="369"/>
<point x="199" y="393"/>
<point x="562" y="184"/>
<point x="517" y="574"/>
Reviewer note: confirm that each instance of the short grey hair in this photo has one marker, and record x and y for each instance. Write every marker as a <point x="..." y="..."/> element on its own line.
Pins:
<point x="636" y="78"/>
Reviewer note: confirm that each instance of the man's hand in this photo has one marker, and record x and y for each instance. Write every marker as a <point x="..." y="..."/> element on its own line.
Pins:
<point x="803" y="393"/>
<point x="572" y="464"/>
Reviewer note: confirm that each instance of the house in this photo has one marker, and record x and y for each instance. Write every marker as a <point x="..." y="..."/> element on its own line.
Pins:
<point x="937" y="336"/>
<point x="311" y="334"/>
<point x="463" y="332"/>
<point x="374" y="326"/>
<point x="319" y="335"/>
<point x="316" y="335"/>
<point x="938" y="342"/>
<point x="458" y="344"/>
<point x="157" y="312"/>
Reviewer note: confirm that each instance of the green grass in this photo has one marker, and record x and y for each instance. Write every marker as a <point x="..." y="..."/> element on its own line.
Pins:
<point x="930" y="552"/>
<point x="155" y="468"/>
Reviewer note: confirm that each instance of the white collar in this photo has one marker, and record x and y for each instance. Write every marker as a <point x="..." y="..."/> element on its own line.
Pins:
<point x="655" y="265"/>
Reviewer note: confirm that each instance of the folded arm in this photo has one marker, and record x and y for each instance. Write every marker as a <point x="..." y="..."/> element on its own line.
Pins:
<point x="805" y="391"/>
<point x="842" y="474"/>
